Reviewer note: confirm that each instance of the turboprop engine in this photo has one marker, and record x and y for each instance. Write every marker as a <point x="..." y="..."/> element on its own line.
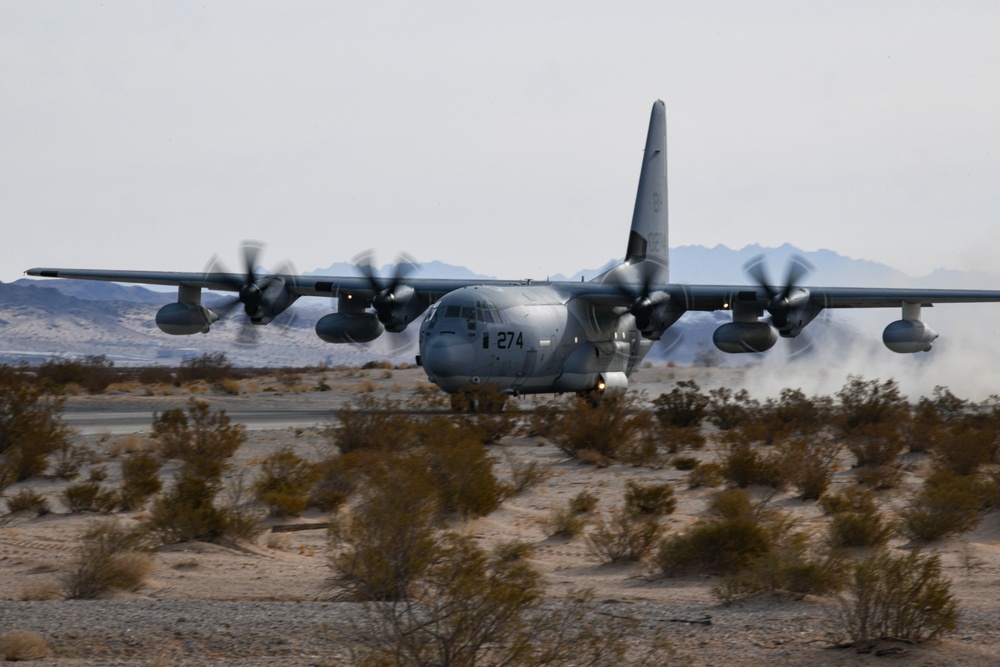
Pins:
<point x="349" y="327"/>
<point x="184" y="319"/>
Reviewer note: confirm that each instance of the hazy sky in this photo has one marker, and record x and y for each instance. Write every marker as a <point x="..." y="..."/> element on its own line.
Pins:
<point x="504" y="137"/>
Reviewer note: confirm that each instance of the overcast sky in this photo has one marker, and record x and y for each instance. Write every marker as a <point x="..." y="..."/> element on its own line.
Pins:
<point x="503" y="137"/>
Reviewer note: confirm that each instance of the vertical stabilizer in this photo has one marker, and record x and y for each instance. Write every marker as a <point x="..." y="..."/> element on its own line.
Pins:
<point x="648" y="239"/>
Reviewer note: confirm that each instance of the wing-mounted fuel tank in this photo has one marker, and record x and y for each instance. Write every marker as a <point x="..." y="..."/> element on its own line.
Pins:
<point x="187" y="316"/>
<point x="737" y="337"/>
<point x="909" y="334"/>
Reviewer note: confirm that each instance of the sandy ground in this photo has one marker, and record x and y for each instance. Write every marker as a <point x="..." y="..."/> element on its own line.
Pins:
<point x="270" y="602"/>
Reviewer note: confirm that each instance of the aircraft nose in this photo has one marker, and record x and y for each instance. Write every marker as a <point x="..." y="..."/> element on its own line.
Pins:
<point x="448" y="359"/>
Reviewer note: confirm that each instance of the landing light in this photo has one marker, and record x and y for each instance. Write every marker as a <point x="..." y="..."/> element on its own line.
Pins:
<point x="601" y="386"/>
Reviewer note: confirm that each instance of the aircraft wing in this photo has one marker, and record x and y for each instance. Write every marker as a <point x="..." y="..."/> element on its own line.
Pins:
<point x="300" y="285"/>
<point x="718" y="297"/>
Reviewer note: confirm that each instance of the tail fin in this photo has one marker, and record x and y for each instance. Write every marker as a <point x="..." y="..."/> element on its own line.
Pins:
<point x="648" y="239"/>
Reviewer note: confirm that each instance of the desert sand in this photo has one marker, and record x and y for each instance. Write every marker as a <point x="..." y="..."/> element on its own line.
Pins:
<point x="269" y="602"/>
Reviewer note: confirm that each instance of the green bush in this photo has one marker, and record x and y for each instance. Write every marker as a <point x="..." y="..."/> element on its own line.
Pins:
<point x="188" y="511"/>
<point x="870" y="418"/>
<point x="30" y="428"/>
<point x="284" y="483"/>
<point x="947" y="505"/>
<point x="745" y="464"/>
<point x="856" y="521"/>
<point x="605" y="429"/>
<point x="685" y="406"/>
<point x="898" y="598"/>
<point x="460" y="468"/>
<point x="389" y="539"/>
<point x="140" y="479"/>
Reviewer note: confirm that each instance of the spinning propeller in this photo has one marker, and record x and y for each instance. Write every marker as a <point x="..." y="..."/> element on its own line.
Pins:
<point x="391" y="292"/>
<point x="785" y="299"/>
<point x="252" y="289"/>
<point x="644" y="299"/>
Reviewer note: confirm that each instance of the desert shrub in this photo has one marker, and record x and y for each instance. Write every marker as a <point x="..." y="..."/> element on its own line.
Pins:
<point x="794" y="414"/>
<point x="745" y="464"/>
<point x="211" y="367"/>
<point x="483" y="399"/>
<point x="880" y="477"/>
<point x="583" y="503"/>
<point x="964" y="447"/>
<point x="460" y="468"/>
<point x="471" y="608"/>
<point x="23" y="645"/>
<point x="565" y="522"/>
<point x="284" y="483"/>
<point x="337" y="477"/>
<point x="898" y="598"/>
<point x="649" y="499"/>
<point x="389" y="539"/>
<point x="110" y="558"/>
<point x="30" y="428"/>
<point x="809" y="464"/>
<point x="68" y="458"/>
<point x="171" y="432"/>
<point x="92" y="373"/>
<point x="628" y="536"/>
<point x="856" y="521"/>
<point x="188" y="511"/>
<point x="685" y="463"/>
<point x="705" y="474"/>
<point x="948" y="504"/>
<point x="490" y="428"/>
<point x="371" y="423"/>
<point x="605" y="428"/>
<point x="525" y="475"/>
<point x="229" y="386"/>
<point x="90" y="497"/>
<point x="726" y="542"/>
<point x="28" y="500"/>
<point x="726" y="409"/>
<point x="870" y="417"/>
<point x="684" y="406"/>
<point x="789" y="568"/>
<point x="202" y="438"/>
<point x="140" y="479"/>
<point x="677" y="438"/>
<point x="513" y="550"/>
<point x="97" y="474"/>
<point x="156" y="375"/>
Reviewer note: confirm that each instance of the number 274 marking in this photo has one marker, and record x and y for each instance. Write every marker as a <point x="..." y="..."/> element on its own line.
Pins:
<point x="507" y="340"/>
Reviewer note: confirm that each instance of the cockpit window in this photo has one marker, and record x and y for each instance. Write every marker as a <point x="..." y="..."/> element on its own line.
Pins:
<point x="487" y="312"/>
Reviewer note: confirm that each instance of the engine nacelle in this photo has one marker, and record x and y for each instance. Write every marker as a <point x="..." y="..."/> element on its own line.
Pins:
<point x="908" y="336"/>
<point x="738" y="337"/>
<point x="349" y="327"/>
<point x="184" y="319"/>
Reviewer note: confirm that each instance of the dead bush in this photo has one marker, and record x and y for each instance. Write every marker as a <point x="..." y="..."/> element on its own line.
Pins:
<point x="565" y="522"/>
<point x="68" y="459"/>
<point x="705" y="474"/>
<point x="525" y="475"/>
<point x="649" y="499"/>
<point x="211" y="367"/>
<point x="28" y="500"/>
<point x="23" y="645"/>
<point x="627" y="536"/>
<point x="90" y="497"/>
<point x="284" y="483"/>
<point x="110" y="558"/>
<point x="897" y="598"/>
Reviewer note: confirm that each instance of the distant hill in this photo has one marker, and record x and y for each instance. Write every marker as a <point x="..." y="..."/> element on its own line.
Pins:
<point x="44" y="317"/>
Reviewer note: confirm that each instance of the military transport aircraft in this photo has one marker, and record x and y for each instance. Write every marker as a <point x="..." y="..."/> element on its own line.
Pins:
<point x="525" y="336"/>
